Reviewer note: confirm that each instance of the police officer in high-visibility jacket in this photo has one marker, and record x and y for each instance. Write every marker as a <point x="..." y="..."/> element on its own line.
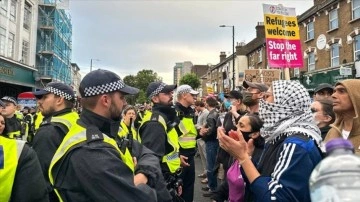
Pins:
<point x="14" y="127"/>
<point x="186" y="97"/>
<point x="157" y="131"/>
<point x="21" y="178"/>
<point x="55" y="103"/>
<point x="90" y="164"/>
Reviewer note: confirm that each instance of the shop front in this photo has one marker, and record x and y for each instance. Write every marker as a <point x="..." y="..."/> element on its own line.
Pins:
<point x="15" y="78"/>
<point x="329" y="75"/>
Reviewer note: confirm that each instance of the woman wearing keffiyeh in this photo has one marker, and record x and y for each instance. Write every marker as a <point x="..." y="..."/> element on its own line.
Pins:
<point x="291" y="151"/>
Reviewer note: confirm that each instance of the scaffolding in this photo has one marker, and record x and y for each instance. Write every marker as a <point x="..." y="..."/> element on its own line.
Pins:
<point x="54" y="43"/>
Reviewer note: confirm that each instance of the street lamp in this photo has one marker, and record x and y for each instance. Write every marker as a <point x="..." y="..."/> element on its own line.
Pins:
<point x="233" y="51"/>
<point x="91" y="63"/>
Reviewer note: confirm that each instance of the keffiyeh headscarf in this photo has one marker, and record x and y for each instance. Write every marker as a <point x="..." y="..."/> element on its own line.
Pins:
<point x="289" y="114"/>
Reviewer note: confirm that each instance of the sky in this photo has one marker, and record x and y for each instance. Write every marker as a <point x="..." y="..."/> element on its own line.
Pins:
<point x="128" y="36"/>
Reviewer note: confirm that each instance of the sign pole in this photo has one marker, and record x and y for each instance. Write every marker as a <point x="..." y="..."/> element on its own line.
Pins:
<point x="287" y="73"/>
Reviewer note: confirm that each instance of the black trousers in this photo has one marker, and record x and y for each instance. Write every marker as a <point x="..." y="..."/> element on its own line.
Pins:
<point x="188" y="178"/>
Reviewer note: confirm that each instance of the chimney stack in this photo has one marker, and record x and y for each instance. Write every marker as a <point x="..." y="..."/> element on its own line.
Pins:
<point x="260" y="30"/>
<point x="222" y="56"/>
<point x="241" y="48"/>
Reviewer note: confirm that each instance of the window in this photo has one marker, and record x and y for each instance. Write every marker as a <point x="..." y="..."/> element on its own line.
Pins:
<point x="2" y="40"/>
<point x="355" y="9"/>
<point x="11" y="43"/>
<point x="25" y="52"/>
<point x="333" y="19"/>
<point x="27" y="16"/>
<point x="356" y="47"/>
<point x="3" y="5"/>
<point x="311" y="61"/>
<point x="13" y="10"/>
<point x="334" y="55"/>
<point x="260" y="55"/>
<point x="310" y="30"/>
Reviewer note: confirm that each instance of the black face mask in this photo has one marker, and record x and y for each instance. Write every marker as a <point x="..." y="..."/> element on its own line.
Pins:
<point x="246" y="135"/>
<point x="248" y="100"/>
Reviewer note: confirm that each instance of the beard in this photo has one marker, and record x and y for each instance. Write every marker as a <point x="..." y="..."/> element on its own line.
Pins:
<point x="115" y="112"/>
<point x="168" y="103"/>
<point x="47" y="112"/>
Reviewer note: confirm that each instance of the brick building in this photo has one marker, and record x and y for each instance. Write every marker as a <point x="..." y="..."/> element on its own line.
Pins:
<point x="330" y="41"/>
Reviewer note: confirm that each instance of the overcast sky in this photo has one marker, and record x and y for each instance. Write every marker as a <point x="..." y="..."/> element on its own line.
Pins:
<point x="128" y="36"/>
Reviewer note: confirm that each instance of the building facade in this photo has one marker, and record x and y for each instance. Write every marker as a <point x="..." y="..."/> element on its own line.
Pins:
<point x="18" y="22"/>
<point x="75" y="83"/>
<point x="180" y="69"/>
<point x="247" y="56"/>
<point x="330" y="38"/>
<point x="54" y="44"/>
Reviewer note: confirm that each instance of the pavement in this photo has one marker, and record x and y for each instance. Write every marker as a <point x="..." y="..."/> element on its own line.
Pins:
<point x="197" y="188"/>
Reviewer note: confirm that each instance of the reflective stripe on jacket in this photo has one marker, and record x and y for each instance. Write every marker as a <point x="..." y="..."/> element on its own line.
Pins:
<point x="171" y="159"/>
<point x="67" y="119"/>
<point x="73" y="139"/>
<point x="187" y="139"/>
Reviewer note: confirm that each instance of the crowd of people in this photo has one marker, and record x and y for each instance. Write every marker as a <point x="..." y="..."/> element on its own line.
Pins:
<point x="262" y="141"/>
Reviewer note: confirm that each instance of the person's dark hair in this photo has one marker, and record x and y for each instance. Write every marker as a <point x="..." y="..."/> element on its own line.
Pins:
<point x="199" y="104"/>
<point x="69" y="104"/>
<point x="89" y="102"/>
<point x="327" y="107"/>
<point x="255" y="122"/>
<point x="5" y="130"/>
<point x="211" y="102"/>
<point x="127" y="108"/>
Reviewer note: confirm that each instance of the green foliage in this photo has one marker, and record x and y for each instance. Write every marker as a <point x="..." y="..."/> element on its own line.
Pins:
<point x="191" y="79"/>
<point x="144" y="78"/>
<point x="141" y="97"/>
<point x="130" y="80"/>
<point x="141" y="81"/>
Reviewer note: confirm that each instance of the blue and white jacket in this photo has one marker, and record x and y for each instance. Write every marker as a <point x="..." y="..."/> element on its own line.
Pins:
<point x="285" y="168"/>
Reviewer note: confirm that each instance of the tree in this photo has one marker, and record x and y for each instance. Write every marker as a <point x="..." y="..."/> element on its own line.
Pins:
<point x="190" y="79"/>
<point x="145" y="77"/>
<point x="130" y="80"/>
<point x="141" y="81"/>
<point x="141" y="97"/>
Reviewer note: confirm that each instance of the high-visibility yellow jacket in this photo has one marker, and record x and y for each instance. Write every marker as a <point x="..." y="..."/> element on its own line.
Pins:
<point x="171" y="159"/>
<point x="10" y="151"/>
<point x="124" y="131"/>
<point x="73" y="139"/>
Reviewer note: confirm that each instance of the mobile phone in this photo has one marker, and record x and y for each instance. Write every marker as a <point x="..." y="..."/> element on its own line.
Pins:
<point x="234" y="135"/>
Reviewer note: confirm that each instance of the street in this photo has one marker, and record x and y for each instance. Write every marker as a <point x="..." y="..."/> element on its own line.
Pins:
<point x="197" y="190"/>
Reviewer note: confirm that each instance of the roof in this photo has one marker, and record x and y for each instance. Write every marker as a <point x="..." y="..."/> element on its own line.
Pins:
<point x="316" y="8"/>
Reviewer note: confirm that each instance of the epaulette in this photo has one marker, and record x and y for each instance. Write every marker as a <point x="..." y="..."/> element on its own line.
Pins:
<point x="93" y="134"/>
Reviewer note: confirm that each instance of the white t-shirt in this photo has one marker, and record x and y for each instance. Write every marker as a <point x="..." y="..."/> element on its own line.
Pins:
<point x="345" y="134"/>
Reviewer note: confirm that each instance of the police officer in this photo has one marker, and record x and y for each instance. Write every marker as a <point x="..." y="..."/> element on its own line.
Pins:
<point x="157" y="130"/>
<point x="186" y="97"/>
<point x="55" y="103"/>
<point x="21" y="178"/>
<point x="90" y="165"/>
<point x="14" y="127"/>
<point x="29" y="121"/>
